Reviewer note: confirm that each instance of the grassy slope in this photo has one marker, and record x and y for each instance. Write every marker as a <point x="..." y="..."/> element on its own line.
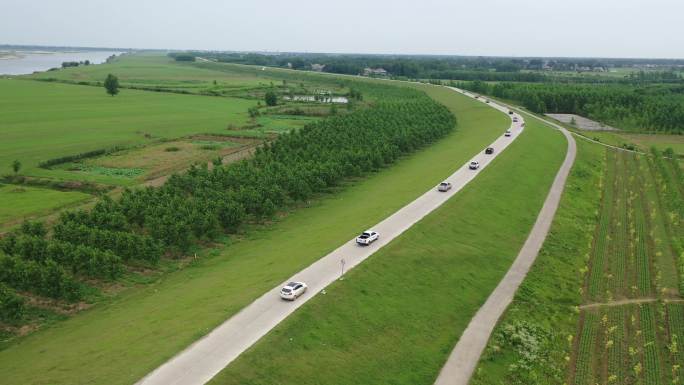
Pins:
<point x="18" y="202"/>
<point x="550" y="291"/>
<point x="47" y="120"/>
<point x="119" y="341"/>
<point x="394" y="319"/>
<point x="148" y="69"/>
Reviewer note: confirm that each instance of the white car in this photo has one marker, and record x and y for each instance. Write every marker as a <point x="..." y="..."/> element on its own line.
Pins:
<point x="367" y="237"/>
<point x="444" y="186"/>
<point x="508" y="133"/>
<point x="474" y="165"/>
<point x="292" y="290"/>
<point x="515" y="120"/>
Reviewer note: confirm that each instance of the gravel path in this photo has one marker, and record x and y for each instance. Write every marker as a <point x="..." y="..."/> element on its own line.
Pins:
<point x="466" y="354"/>
<point x="205" y="358"/>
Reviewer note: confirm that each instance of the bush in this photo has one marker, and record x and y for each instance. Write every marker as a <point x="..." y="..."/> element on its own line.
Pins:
<point x="11" y="305"/>
<point x="46" y="279"/>
<point x="271" y="98"/>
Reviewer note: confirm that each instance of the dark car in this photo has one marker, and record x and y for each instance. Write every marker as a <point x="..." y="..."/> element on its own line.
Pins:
<point x="510" y="112"/>
<point x="489" y="150"/>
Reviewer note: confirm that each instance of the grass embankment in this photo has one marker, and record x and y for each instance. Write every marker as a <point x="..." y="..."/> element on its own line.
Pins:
<point x="121" y="340"/>
<point x="20" y="202"/>
<point x="395" y="318"/>
<point x="41" y="121"/>
<point x="541" y="315"/>
<point x="148" y="69"/>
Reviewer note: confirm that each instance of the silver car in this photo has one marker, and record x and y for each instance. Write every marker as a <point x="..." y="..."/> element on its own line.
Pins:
<point x="292" y="290"/>
<point x="367" y="237"/>
<point x="444" y="187"/>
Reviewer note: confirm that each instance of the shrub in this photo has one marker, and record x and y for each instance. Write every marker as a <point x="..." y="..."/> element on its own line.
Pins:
<point x="11" y="305"/>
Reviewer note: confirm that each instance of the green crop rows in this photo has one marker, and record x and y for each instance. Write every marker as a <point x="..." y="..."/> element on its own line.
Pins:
<point x="630" y="334"/>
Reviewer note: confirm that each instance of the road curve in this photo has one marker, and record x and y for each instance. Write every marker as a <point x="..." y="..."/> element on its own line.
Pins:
<point x="205" y="358"/>
<point x="466" y="354"/>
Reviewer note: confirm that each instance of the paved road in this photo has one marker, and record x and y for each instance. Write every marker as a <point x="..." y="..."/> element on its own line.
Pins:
<point x="466" y="354"/>
<point x="202" y="360"/>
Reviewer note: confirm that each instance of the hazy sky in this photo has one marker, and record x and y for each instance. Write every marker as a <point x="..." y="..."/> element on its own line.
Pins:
<point x="606" y="28"/>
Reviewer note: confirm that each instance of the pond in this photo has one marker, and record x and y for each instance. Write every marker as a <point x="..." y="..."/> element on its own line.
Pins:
<point x="322" y="99"/>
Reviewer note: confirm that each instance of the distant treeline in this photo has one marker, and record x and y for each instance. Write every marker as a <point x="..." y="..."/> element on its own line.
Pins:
<point x="658" y="108"/>
<point x="443" y="67"/>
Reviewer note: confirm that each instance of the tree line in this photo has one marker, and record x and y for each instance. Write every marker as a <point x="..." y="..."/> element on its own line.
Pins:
<point x="453" y="67"/>
<point x="654" y="108"/>
<point x="202" y="204"/>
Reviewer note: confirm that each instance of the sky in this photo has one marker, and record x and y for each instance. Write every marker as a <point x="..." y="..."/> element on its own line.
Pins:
<point x="569" y="28"/>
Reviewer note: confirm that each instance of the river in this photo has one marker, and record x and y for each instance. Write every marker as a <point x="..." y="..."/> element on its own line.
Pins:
<point x="27" y="62"/>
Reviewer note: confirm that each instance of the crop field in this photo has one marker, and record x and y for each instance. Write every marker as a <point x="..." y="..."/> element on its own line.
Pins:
<point x="661" y="142"/>
<point x="156" y="160"/>
<point x="71" y="119"/>
<point x="639" y="142"/>
<point x="19" y="202"/>
<point x="611" y="313"/>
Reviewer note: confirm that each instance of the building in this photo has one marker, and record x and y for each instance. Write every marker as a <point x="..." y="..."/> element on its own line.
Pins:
<point x="375" y="72"/>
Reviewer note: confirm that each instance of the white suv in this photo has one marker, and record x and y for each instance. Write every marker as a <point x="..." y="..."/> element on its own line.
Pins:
<point x="292" y="290"/>
<point x="474" y="165"/>
<point x="367" y="237"/>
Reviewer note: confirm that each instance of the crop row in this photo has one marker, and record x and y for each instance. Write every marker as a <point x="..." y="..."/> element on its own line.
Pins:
<point x="671" y="204"/>
<point x="630" y="344"/>
<point x="595" y="278"/>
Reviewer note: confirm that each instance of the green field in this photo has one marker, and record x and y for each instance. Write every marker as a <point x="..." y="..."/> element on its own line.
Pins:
<point x="120" y="340"/>
<point x="42" y="121"/>
<point x="577" y="318"/>
<point x="541" y="316"/>
<point x="19" y="202"/>
<point x="154" y="70"/>
<point x="395" y="318"/>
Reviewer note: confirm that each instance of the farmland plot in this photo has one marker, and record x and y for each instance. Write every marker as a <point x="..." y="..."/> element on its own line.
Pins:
<point x="630" y="323"/>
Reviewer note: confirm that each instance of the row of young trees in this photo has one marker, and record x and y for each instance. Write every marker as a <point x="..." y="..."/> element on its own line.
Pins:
<point x="202" y="204"/>
<point x="655" y="108"/>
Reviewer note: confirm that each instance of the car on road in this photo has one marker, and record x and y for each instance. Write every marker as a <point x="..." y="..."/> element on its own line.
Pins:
<point x="487" y="101"/>
<point x="508" y="133"/>
<point x="515" y="120"/>
<point x="474" y="165"/>
<point x="489" y="150"/>
<point x="367" y="237"/>
<point x="444" y="186"/>
<point x="510" y="112"/>
<point x="292" y="290"/>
